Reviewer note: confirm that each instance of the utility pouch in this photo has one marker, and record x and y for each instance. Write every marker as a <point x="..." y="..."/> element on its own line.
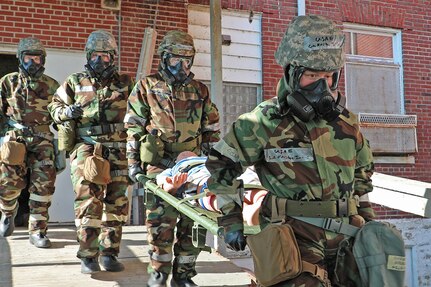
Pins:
<point x="12" y="152"/>
<point x="60" y="158"/>
<point x="380" y="255"/>
<point x="96" y="168"/>
<point x="66" y="135"/>
<point x="276" y="254"/>
<point x="152" y="149"/>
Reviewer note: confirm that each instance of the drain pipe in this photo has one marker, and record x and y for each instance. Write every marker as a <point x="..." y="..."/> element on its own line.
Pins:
<point x="301" y="7"/>
<point x="119" y="19"/>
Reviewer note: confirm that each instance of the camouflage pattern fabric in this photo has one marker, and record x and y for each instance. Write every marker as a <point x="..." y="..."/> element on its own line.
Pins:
<point x="178" y="43"/>
<point x="179" y="114"/>
<point x="317" y="160"/>
<point x="161" y="220"/>
<point x="30" y="44"/>
<point x="101" y="41"/>
<point x="312" y="41"/>
<point x="25" y="100"/>
<point x="100" y="211"/>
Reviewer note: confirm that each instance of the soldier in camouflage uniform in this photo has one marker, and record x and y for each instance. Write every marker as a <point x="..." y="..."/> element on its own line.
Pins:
<point x="25" y="96"/>
<point x="174" y="110"/>
<point x="308" y="152"/>
<point x="95" y="102"/>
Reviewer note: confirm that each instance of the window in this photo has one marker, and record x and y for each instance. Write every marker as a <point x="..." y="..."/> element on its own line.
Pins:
<point x="374" y="90"/>
<point x="9" y="64"/>
<point x="373" y="70"/>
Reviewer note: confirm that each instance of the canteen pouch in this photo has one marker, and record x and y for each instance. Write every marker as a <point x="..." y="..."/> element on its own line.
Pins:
<point x="380" y="255"/>
<point x="66" y="135"/>
<point x="12" y="152"/>
<point x="151" y="150"/>
<point x="276" y="254"/>
<point x="96" y="168"/>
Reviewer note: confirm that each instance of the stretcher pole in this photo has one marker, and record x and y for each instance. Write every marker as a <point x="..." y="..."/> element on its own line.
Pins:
<point x="183" y="207"/>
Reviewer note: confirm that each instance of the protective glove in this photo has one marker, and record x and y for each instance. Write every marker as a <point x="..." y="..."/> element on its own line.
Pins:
<point x="235" y="240"/>
<point x="73" y="111"/>
<point x="134" y="170"/>
<point x="233" y="230"/>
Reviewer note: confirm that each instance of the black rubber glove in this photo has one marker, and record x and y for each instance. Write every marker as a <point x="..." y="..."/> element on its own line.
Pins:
<point x="233" y="230"/>
<point x="73" y="111"/>
<point x="235" y="240"/>
<point x="134" y="170"/>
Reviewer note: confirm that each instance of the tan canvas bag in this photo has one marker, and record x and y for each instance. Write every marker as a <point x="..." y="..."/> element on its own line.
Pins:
<point x="276" y="254"/>
<point x="96" y="168"/>
<point x="12" y="152"/>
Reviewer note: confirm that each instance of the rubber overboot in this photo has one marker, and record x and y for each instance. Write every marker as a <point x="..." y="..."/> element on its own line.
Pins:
<point x="185" y="282"/>
<point x="89" y="266"/>
<point x="157" y="279"/>
<point x="40" y="240"/>
<point x="7" y="224"/>
<point x="110" y="263"/>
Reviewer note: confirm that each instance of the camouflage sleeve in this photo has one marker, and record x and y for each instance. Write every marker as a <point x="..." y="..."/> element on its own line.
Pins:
<point x="242" y="146"/>
<point x="363" y="172"/>
<point x="3" y="103"/>
<point x="136" y="119"/>
<point x="3" y="92"/>
<point x="210" y="119"/>
<point x="64" y="96"/>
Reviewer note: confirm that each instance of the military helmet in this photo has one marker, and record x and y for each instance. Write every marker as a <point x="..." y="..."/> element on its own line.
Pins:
<point x="313" y="42"/>
<point x="101" y="41"/>
<point x="31" y="45"/>
<point x="178" y="43"/>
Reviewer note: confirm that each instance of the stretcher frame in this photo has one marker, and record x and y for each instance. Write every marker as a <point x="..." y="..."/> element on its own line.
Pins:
<point x="204" y="220"/>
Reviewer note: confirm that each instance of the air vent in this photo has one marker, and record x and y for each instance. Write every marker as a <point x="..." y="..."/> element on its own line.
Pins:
<point x="382" y="119"/>
<point x="390" y="133"/>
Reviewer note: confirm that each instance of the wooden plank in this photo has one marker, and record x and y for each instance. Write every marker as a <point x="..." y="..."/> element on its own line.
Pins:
<point x="402" y="185"/>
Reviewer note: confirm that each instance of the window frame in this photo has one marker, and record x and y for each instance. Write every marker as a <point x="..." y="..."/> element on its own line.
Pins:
<point x="397" y="59"/>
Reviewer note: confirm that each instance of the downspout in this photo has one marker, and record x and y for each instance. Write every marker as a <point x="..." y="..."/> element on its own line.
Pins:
<point x="301" y="7"/>
<point x="119" y="40"/>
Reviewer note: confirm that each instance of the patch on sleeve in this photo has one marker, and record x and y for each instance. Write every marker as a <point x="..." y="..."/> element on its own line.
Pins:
<point x="397" y="263"/>
<point x="226" y="150"/>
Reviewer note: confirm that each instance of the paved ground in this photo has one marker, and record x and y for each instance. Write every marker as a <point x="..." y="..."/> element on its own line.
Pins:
<point x="23" y="265"/>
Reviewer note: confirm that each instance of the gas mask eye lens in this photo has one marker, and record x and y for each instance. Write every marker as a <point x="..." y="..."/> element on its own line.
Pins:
<point x="174" y="61"/>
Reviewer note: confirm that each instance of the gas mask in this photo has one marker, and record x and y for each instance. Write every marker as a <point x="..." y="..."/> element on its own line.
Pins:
<point x="173" y="69"/>
<point x="315" y="101"/>
<point x="31" y="68"/>
<point x="100" y="69"/>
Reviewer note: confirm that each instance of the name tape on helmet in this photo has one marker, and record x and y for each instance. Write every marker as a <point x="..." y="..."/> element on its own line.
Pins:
<point x="330" y="42"/>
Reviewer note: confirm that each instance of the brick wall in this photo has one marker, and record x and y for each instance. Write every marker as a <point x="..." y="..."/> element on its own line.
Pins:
<point x="66" y="24"/>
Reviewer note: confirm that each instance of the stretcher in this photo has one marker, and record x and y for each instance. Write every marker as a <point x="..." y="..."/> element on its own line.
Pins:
<point x="204" y="220"/>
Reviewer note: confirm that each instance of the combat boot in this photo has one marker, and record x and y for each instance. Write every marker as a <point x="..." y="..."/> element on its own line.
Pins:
<point x="7" y="223"/>
<point x="89" y="265"/>
<point x="40" y="240"/>
<point x="184" y="282"/>
<point x="157" y="279"/>
<point x="110" y="263"/>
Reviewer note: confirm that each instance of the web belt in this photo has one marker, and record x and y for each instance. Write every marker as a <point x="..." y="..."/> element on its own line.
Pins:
<point x="101" y="129"/>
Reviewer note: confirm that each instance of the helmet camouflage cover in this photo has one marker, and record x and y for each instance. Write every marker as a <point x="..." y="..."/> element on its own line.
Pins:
<point x="313" y="42"/>
<point x="101" y="41"/>
<point x="30" y="44"/>
<point x="178" y="43"/>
